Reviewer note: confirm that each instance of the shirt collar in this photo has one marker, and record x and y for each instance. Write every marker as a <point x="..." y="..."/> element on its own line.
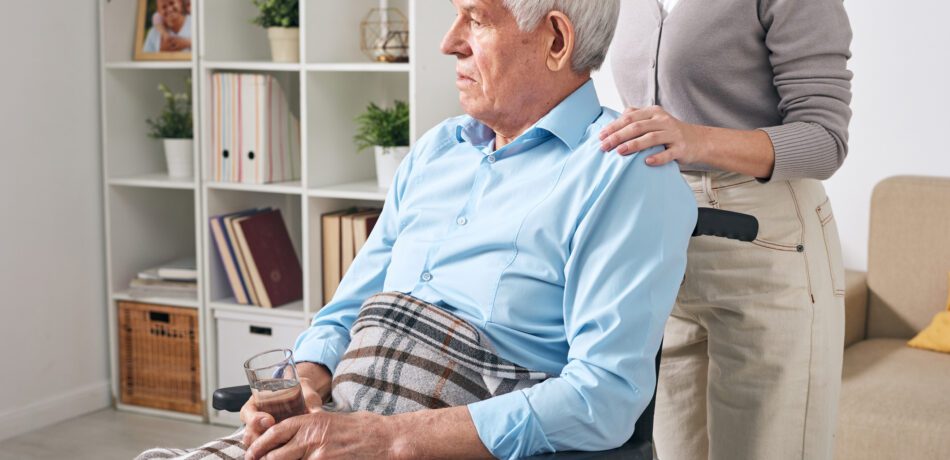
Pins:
<point x="568" y="121"/>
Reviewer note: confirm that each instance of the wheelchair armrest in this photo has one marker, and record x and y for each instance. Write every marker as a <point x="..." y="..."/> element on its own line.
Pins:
<point x="726" y="224"/>
<point x="231" y="399"/>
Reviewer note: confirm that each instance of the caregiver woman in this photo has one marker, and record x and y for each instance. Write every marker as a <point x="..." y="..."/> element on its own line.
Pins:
<point x="751" y="99"/>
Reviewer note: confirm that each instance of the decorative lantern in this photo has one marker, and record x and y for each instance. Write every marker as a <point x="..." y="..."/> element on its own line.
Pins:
<point x="384" y="34"/>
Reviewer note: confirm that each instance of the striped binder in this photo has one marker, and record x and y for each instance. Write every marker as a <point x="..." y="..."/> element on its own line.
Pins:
<point x="255" y="139"/>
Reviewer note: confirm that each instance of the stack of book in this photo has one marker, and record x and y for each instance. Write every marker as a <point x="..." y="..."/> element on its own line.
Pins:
<point x="177" y="279"/>
<point x="344" y="233"/>
<point x="258" y="256"/>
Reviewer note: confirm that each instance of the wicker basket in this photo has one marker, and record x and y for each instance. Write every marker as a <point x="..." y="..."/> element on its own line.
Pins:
<point x="158" y="357"/>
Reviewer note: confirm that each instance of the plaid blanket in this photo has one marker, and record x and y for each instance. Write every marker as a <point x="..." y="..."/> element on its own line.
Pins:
<point x="227" y="448"/>
<point x="405" y="355"/>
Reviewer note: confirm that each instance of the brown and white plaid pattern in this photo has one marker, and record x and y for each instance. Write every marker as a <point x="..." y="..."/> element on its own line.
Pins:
<point x="228" y="448"/>
<point x="407" y="355"/>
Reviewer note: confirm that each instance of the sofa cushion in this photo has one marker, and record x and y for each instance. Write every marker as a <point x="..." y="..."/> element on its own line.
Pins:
<point x="894" y="402"/>
<point x="935" y="337"/>
<point x="908" y="254"/>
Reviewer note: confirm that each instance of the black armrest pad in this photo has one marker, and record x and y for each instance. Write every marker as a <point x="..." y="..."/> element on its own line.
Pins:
<point x="231" y="399"/>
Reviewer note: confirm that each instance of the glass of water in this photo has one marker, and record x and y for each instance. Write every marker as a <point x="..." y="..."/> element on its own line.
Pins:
<point x="274" y="384"/>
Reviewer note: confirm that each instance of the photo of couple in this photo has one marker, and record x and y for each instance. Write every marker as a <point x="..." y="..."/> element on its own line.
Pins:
<point x="164" y="29"/>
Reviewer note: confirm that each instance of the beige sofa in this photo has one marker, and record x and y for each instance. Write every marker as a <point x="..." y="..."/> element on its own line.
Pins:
<point x="895" y="400"/>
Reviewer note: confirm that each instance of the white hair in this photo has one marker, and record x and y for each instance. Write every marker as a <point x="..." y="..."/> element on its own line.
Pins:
<point x="594" y="24"/>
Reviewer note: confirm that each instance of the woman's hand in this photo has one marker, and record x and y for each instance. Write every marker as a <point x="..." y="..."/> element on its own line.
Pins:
<point x="640" y="129"/>
<point x="327" y="435"/>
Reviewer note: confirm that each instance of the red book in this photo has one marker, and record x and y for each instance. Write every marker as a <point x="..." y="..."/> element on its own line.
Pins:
<point x="274" y="266"/>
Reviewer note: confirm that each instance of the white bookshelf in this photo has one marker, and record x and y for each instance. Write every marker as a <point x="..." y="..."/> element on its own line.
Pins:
<point x="151" y="218"/>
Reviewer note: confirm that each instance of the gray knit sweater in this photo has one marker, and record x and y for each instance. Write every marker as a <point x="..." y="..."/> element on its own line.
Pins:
<point x="776" y="65"/>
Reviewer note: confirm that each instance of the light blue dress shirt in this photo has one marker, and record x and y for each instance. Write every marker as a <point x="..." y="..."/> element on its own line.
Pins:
<point x="568" y="259"/>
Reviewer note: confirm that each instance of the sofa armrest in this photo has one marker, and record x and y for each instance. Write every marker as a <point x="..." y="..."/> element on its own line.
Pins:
<point x="855" y="307"/>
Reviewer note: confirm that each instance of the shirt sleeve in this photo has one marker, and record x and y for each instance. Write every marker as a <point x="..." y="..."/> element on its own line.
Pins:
<point x="626" y="265"/>
<point x="329" y="333"/>
<point x="809" y="47"/>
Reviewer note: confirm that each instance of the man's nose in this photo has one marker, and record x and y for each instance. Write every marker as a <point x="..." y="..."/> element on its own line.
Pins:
<point x="454" y="42"/>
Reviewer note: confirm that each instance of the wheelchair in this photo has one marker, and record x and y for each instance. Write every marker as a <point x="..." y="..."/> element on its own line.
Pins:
<point x="709" y="222"/>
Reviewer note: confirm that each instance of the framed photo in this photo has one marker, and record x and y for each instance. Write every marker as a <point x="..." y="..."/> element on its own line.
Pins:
<point x="163" y="30"/>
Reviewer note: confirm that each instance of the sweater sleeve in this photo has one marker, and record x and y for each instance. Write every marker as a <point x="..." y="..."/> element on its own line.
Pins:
<point x="809" y="47"/>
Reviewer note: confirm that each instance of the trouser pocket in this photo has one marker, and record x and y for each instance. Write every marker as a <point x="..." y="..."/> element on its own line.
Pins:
<point x="829" y="233"/>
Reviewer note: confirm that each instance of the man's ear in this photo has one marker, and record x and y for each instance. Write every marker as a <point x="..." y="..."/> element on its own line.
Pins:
<point x="561" y="45"/>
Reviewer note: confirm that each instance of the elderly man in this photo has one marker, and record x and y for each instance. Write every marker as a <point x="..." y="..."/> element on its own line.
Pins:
<point x="518" y="280"/>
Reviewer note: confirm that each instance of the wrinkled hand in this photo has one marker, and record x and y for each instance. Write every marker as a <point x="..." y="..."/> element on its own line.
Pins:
<point x="639" y="129"/>
<point x="323" y="435"/>
<point x="257" y="422"/>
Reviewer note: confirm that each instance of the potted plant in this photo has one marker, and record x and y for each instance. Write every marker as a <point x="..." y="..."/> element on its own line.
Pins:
<point x="387" y="131"/>
<point x="281" y="19"/>
<point x="174" y="126"/>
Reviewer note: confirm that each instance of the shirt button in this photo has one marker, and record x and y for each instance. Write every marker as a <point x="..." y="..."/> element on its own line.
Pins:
<point x="652" y="63"/>
<point x="491" y="158"/>
<point x="650" y="101"/>
<point x="427" y="277"/>
<point x="461" y="221"/>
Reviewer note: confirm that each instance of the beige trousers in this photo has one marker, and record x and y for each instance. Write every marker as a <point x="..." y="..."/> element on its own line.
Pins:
<point x="751" y="365"/>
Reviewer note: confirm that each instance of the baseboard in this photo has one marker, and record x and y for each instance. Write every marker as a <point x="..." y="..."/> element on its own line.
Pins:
<point x="55" y="409"/>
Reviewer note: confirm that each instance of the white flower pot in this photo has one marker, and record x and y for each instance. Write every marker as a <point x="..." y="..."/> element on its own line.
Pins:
<point x="179" y="156"/>
<point x="387" y="162"/>
<point x="284" y="44"/>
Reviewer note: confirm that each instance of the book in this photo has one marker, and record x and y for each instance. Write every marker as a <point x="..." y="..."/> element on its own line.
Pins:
<point x="271" y="258"/>
<point x="179" y="269"/>
<point x="330" y="224"/>
<point x="362" y="227"/>
<point x="148" y="274"/>
<point x="228" y="255"/>
<point x="241" y="256"/>
<point x="139" y="287"/>
<point x="348" y="234"/>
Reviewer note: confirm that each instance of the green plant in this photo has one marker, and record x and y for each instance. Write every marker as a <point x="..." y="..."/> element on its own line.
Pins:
<point x="175" y="120"/>
<point x="277" y="13"/>
<point x="385" y="127"/>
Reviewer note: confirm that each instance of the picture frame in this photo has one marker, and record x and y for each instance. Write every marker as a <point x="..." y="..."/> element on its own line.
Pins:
<point x="163" y="30"/>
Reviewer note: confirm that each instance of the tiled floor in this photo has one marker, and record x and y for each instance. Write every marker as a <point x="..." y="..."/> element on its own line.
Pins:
<point x="107" y="435"/>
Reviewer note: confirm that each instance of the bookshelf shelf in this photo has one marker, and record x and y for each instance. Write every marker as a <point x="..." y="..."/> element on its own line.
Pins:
<point x="261" y="66"/>
<point x="357" y="67"/>
<point x="154" y="181"/>
<point x="137" y="65"/>
<point x="151" y="218"/>
<point x="289" y="188"/>
<point x="186" y="303"/>
<point x="363" y="190"/>
<point x="290" y="310"/>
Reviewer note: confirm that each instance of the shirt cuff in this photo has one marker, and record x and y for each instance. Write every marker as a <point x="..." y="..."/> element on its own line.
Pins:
<point x="508" y="427"/>
<point x="324" y="351"/>
<point x="802" y="150"/>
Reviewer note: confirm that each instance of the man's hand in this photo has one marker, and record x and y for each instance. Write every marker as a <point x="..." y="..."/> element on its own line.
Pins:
<point x="314" y="381"/>
<point x="328" y="435"/>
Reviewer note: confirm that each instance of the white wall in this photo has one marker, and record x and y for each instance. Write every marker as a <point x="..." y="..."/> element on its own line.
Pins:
<point x="901" y="65"/>
<point x="52" y="284"/>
